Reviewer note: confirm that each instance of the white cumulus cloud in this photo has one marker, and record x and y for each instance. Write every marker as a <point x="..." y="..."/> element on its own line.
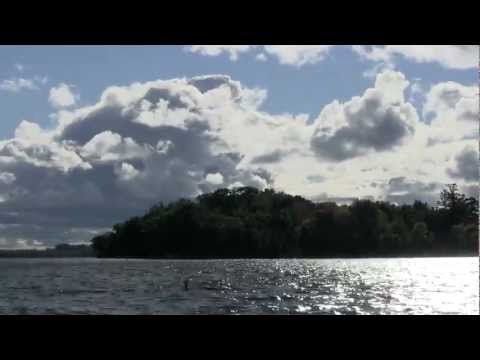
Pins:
<point x="377" y="121"/>
<point x="449" y="56"/>
<point x="62" y="96"/>
<point x="298" y="55"/>
<point x="215" y="179"/>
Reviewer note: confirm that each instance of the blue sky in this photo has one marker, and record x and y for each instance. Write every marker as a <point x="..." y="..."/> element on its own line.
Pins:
<point x="81" y="148"/>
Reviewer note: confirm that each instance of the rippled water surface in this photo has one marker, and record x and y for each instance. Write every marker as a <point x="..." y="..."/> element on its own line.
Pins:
<point x="359" y="286"/>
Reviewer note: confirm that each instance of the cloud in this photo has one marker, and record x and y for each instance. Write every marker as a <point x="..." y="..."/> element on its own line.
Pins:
<point x="298" y="55"/>
<point x="377" y="121"/>
<point x="233" y="51"/>
<point x="377" y="69"/>
<point x="450" y="56"/>
<point x="261" y="57"/>
<point x="19" y="67"/>
<point x="295" y="55"/>
<point x="139" y="144"/>
<point x="448" y="96"/>
<point x="315" y="178"/>
<point x="18" y="84"/>
<point x="126" y="172"/>
<point x="413" y="155"/>
<point x="459" y="57"/>
<point x="417" y="92"/>
<point x="452" y="109"/>
<point x="471" y="190"/>
<point x="215" y="179"/>
<point x="108" y="146"/>
<point x="466" y="166"/>
<point x="274" y="156"/>
<point x="405" y="191"/>
<point x="40" y="79"/>
<point x="61" y="96"/>
<point x="7" y="178"/>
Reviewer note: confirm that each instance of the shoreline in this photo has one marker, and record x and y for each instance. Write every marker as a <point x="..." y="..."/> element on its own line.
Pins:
<point x="245" y="258"/>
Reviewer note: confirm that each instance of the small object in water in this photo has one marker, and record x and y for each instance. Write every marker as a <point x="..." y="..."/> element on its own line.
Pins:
<point x="185" y="284"/>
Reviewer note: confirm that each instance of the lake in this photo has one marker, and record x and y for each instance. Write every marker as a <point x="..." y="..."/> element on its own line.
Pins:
<point x="282" y="286"/>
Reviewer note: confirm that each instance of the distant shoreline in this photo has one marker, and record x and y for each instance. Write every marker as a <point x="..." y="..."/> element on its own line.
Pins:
<point x="60" y="251"/>
<point x="347" y="257"/>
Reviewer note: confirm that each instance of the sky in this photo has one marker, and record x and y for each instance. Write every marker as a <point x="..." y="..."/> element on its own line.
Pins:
<point x="91" y="135"/>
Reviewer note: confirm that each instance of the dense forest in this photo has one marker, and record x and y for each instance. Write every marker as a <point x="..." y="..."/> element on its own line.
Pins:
<point x="245" y="222"/>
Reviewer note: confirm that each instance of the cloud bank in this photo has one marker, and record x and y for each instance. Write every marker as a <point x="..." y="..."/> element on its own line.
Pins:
<point x="166" y="139"/>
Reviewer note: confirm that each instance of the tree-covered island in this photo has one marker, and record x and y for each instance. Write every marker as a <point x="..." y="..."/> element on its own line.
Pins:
<point x="248" y="223"/>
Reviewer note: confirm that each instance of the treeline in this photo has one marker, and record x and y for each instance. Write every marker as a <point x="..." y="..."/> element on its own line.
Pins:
<point x="61" y="250"/>
<point x="245" y="223"/>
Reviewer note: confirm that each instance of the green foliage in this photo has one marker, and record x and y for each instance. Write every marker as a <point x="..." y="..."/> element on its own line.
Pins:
<point x="421" y="236"/>
<point x="246" y="222"/>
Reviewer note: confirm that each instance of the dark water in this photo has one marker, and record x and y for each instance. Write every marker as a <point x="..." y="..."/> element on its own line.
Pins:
<point x="360" y="286"/>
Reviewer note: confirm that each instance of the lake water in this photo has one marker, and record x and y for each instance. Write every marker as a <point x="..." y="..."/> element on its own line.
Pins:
<point x="294" y="286"/>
